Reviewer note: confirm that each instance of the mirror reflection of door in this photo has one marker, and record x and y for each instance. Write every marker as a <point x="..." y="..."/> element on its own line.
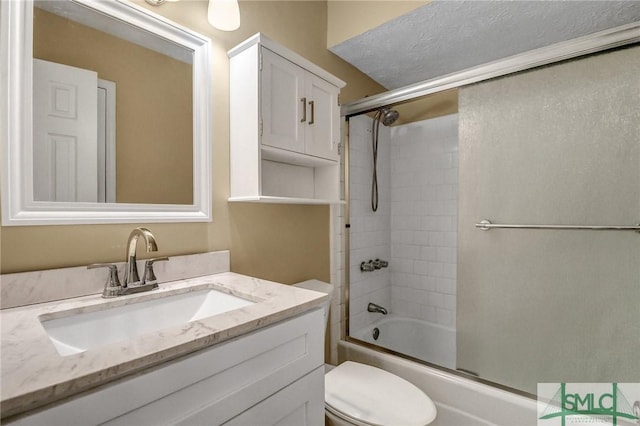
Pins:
<point x="73" y="136"/>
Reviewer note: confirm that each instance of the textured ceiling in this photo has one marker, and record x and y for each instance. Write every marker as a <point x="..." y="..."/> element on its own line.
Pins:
<point x="445" y="36"/>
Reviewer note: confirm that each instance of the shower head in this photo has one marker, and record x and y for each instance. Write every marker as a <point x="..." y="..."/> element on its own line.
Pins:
<point x="388" y="116"/>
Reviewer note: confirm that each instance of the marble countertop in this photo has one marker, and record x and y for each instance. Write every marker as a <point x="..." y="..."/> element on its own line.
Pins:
<point x="34" y="374"/>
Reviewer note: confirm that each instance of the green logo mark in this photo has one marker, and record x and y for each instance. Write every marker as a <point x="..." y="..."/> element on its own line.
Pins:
<point x="589" y="405"/>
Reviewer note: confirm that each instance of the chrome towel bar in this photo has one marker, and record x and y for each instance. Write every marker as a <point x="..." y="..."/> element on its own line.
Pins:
<point x="486" y="225"/>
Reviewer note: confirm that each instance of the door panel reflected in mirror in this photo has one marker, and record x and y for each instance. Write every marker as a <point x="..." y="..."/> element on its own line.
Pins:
<point x="136" y="144"/>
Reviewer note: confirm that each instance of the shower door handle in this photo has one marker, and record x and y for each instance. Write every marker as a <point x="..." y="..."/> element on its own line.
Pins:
<point x="304" y="109"/>
<point x="312" y="104"/>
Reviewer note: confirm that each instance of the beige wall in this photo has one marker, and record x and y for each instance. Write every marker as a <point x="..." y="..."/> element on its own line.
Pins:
<point x="348" y="19"/>
<point x="556" y="145"/>
<point x="154" y="155"/>
<point x="281" y="242"/>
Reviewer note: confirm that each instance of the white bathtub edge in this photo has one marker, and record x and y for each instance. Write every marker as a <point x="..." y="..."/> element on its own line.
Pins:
<point x="494" y="405"/>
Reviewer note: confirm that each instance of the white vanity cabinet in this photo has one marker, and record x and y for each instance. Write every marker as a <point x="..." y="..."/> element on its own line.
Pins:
<point x="273" y="376"/>
<point x="285" y="126"/>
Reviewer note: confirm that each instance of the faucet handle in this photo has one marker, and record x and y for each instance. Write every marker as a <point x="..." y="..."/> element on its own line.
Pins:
<point x="367" y="266"/>
<point x="149" y="276"/>
<point x="382" y="263"/>
<point x="112" y="287"/>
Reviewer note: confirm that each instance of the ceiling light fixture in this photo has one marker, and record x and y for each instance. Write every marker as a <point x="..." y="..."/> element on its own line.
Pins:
<point x="222" y="14"/>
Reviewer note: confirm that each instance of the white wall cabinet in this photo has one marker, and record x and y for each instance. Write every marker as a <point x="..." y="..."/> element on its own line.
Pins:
<point x="274" y="376"/>
<point x="299" y="109"/>
<point x="285" y="126"/>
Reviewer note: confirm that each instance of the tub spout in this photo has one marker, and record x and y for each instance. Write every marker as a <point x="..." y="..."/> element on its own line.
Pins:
<point x="372" y="307"/>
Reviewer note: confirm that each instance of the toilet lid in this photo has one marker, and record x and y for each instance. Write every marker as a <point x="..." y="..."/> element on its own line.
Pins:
<point x="377" y="397"/>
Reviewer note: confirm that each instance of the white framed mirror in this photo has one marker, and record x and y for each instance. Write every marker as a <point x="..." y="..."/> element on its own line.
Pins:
<point x="143" y="154"/>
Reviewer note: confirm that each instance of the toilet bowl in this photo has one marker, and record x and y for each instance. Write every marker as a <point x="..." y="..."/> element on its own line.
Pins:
<point x="362" y="395"/>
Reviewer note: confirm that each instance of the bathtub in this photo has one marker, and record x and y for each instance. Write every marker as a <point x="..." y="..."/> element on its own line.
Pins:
<point x="419" y="339"/>
<point x="459" y="401"/>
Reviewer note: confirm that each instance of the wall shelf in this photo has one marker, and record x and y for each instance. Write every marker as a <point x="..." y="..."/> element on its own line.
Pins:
<point x="282" y="200"/>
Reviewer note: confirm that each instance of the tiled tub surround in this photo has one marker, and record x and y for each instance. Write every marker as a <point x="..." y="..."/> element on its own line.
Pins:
<point x="415" y="225"/>
<point x="369" y="231"/>
<point x="424" y="183"/>
<point x="33" y="374"/>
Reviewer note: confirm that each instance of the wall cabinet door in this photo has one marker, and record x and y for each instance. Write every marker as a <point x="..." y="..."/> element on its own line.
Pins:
<point x="299" y="109"/>
<point x="323" y="131"/>
<point x="283" y="103"/>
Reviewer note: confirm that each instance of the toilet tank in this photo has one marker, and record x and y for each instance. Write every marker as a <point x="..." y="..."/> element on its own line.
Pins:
<point x="320" y="287"/>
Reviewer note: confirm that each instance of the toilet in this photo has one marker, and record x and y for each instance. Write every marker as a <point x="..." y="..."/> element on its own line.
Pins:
<point x="362" y="395"/>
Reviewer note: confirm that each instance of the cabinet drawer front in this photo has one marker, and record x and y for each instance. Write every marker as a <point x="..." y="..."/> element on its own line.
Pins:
<point x="299" y="404"/>
<point x="240" y="372"/>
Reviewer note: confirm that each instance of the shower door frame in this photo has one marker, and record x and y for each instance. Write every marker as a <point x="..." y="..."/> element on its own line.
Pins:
<point x="624" y="35"/>
<point x="581" y="46"/>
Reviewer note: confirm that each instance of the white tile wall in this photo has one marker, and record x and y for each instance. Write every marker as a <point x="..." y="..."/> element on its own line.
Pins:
<point x="415" y="225"/>
<point x="369" y="230"/>
<point x="424" y="173"/>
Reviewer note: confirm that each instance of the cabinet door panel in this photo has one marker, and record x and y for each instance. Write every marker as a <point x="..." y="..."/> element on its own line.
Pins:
<point x="323" y="129"/>
<point x="299" y="404"/>
<point x="247" y="371"/>
<point x="282" y="104"/>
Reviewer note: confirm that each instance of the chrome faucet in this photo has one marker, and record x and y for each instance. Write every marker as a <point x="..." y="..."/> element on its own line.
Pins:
<point x="132" y="283"/>
<point x="372" y="307"/>
<point x="131" y="278"/>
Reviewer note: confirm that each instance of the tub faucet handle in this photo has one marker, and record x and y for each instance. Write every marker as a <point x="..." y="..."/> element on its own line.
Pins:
<point x="112" y="287"/>
<point x="367" y="266"/>
<point x="378" y="264"/>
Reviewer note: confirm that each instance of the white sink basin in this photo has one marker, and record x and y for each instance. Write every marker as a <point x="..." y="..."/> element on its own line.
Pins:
<point x="78" y="333"/>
